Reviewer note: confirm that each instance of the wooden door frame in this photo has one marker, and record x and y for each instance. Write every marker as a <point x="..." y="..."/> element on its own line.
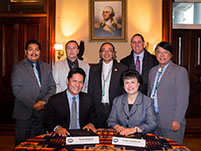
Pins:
<point x="167" y="20"/>
<point x="49" y="13"/>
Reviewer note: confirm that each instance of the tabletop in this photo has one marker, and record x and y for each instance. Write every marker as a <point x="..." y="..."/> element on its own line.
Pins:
<point x="52" y="141"/>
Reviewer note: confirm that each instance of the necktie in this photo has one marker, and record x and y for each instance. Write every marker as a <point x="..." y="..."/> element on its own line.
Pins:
<point x="36" y="74"/>
<point x="138" y="64"/>
<point x="157" y="81"/>
<point x="73" y="65"/>
<point x="74" y="114"/>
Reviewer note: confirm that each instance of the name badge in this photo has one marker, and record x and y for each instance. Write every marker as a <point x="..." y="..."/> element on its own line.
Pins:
<point x="128" y="141"/>
<point x="82" y="140"/>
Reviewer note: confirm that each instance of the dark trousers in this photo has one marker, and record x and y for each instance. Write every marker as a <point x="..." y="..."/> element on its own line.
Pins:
<point x="28" y="128"/>
<point x="103" y="116"/>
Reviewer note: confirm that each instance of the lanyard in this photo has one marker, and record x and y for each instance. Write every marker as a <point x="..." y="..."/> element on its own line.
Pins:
<point x="105" y="80"/>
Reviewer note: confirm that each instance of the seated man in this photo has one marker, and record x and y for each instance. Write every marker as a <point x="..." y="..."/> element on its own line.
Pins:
<point x="71" y="109"/>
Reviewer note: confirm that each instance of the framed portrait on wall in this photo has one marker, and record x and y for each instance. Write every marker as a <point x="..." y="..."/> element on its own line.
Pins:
<point x="107" y="20"/>
<point x="27" y="1"/>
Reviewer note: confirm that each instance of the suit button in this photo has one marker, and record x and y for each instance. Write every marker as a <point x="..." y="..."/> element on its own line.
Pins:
<point x="127" y="126"/>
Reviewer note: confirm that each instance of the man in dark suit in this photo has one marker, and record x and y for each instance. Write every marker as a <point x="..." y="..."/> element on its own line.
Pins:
<point x="168" y="86"/>
<point x="104" y="82"/>
<point x="61" y="115"/>
<point x="142" y="58"/>
<point x="32" y="84"/>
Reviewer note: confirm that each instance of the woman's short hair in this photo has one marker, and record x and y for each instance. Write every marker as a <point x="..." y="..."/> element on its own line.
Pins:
<point x="130" y="73"/>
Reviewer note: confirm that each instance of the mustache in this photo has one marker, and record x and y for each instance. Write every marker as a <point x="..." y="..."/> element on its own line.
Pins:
<point x="34" y="54"/>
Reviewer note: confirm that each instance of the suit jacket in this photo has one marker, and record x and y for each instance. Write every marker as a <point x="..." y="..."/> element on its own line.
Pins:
<point x="172" y="94"/>
<point x="26" y="89"/>
<point x="58" y="111"/>
<point x="141" y="114"/>
<point x="60" y="73"/>
<point x="149" y="61"/>
<point x="95" y="83"/>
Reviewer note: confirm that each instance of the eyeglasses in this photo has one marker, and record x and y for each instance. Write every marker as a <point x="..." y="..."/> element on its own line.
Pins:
<point x="69" y="48"/>
<point x="108" y="50"/>
<point x="33" y="48"/>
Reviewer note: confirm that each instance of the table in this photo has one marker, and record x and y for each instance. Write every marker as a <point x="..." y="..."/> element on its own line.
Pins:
<point x="51" y="142"/>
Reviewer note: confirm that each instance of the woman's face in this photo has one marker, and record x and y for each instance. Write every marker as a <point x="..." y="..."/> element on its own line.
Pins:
<point x="131" y="85"/>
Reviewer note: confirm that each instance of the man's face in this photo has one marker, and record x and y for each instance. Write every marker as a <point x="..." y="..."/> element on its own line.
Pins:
<point x="163" y="56"/>
<point x="107" y="53"/>
<point x="75" y="84"/>
<point x="33" y="52"/>
<point x="137" y="44"/>
<point x="106" y="13"/>
<point x="72" y="51"/>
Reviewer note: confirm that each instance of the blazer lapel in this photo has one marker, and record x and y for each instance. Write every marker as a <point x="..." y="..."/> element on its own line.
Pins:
<point x="166" y="73"/>
<point x="153" y="78"/>
<point x="125" y="105"/>
<point x="66" y="108"/>
<point x="144" y="62"/>
<point x="113" y="77"/>
<point x="42" y="73"/>
<point x="30" y="69"/>
<point x="99" y="78"/>
<point x="132" y="62"/>
<point x="136" y="103"/>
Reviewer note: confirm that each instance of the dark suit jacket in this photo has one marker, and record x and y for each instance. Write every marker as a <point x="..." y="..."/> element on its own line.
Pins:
<point x="26" y="89"/>
<point x="95" y="83"/>
<point x="58" y="111"/>
<point x="141" y="114"/>
<point x="149" y="61"/>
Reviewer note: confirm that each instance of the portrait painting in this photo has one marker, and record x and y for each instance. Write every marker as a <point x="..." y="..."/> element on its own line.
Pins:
<point x="107" y="20"/>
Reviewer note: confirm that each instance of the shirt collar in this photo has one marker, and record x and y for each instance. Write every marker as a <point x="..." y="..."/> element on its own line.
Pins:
<point x="165" y="67"/>
<point x="72" y="61"/>
<point x="70" y="95"/>
<point x="141" y="55"/>
<point x="31" y="62"/>
<point x="108" y="65"/>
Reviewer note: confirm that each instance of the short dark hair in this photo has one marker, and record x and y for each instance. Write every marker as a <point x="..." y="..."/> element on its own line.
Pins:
<point x="165" y="45"/>
<point x="105" y="44"/>
<point x="130" y="73"/>
<point x="76" y="71"/>
<point x="70" y="42"/>
<point x="32" y="42"/>
<point x="137" y="35"/>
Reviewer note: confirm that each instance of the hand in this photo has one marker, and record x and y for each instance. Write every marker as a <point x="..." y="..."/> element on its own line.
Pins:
<point x="128" y="131"/>
<point x="62" y="131"/>
<point x="176" y="126"/>
<point x="39" y="105"/>
<point x="119" y="128"/>
<point x="90" y="127"/>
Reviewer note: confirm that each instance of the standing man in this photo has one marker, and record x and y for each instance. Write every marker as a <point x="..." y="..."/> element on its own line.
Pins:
<point x="32" y="84"/>
<point x="104" y="82"/>
<point x="168" y="86"/>
<point x="61" y="68"/>
<point x="71" y="109"/>
<point x="140" y="59"/>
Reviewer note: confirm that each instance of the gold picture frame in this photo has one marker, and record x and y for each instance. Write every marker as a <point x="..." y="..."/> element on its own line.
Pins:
<point x="107" y="20"/>
<point x="27" y="1"/>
